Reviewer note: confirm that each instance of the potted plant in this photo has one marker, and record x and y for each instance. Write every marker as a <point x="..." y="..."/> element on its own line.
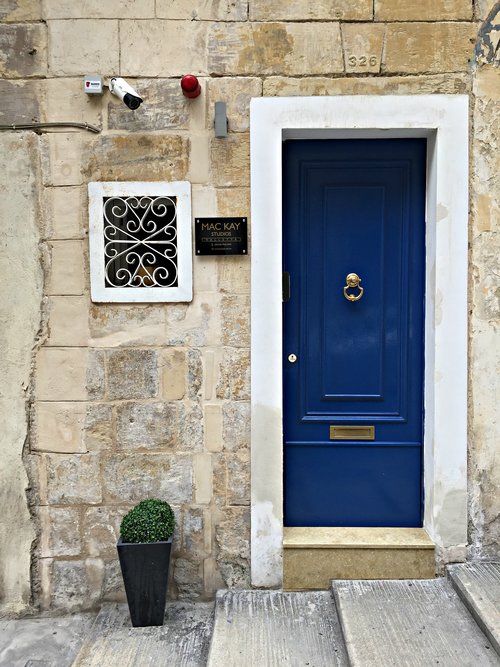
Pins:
<point x="144" y="552"/>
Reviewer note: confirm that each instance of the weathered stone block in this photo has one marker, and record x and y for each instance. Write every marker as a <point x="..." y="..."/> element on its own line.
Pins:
<point x="60" y="532"/>
<point x="234" y="379"/>
<point x="238" y="478"/>
<point x="199" y="157"/>
<point x="304" y="10"/>
<point x="173" y="364"/>
<point x="147" y="425"/>
<point x="219" y="480"/>
<point x="234" y="201"/>
<point x="68" y="321"/>
<point x="203" y="201"/>
<point x="70" y="586"/>
<point x="363" y="45"/>
<point x="83" y="46"/>
<point x="23" y="50"/>
<point x="73" y="479"/>
<point x="236" y="93"/>
<point x="166" y="108"/>
<point x="131" y="478"/>
<point x="98" y="427"/>
<point x="235" y="316"/>
<point x="188" y="576"/>
<point x="65" y="100"/>
<point x="114" y="325"/>
<point x="59" y="427"/>
<point x="194" y="324"/>
<point x="203" y="478"/>
<point x="62" y="158"/>
<point x="136" y="157"/>
<point x="95" y="9"/>
<point x="394" y="85"/>
<point x="20" y="102"/>
<point x="234" y="275"/>
<point x="212" y="578"/>
<point x="101" y="528"/>
<point x="64" y="213"/>
<point x="426" y="10"/>
<point x="274" y="48"/>
<point x="195" y="374"/>
<point x="66" y="268"/>
<point x="213" y="427"/>
<point x="61" y="374"/>
<point x="112" y="586"/>
<point x="196" y="540"/>
<point x="20" y="10"/>
<point x="190" y="435"/>
<point x="232" y="535"/>
<point x="96" y="380"/>
<point x="227" y="10"/>
<point x="211" y="362"/>
<point x="132" y="374"/>
<point x="205" y="274"/>
<point x="167" y="48"/>
<point x="236" y="426"/>
<point x="428" y="47"/>
<point x="231" y="161"/>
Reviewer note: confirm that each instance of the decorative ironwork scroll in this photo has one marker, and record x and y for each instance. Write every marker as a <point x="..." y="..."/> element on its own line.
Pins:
<point x="140" y="241"/>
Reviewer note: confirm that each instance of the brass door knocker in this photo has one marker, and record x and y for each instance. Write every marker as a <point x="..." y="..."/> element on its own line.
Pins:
<point x="353" y="280"/>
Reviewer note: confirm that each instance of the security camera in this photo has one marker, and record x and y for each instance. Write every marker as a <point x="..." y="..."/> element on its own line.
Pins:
<point x="125" y="92"/>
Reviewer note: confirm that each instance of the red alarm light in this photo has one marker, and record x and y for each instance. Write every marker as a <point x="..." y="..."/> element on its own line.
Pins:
<point x="190" y="86"/>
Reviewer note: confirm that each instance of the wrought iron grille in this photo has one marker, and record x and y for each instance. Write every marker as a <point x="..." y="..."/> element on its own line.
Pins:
<point x="140" y="241"/>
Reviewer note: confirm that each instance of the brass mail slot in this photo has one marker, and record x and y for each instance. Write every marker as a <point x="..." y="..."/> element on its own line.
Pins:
<point x="352" y="432"/>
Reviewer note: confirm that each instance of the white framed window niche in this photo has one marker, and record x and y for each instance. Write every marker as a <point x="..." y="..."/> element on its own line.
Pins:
<point x="140" y="241"/>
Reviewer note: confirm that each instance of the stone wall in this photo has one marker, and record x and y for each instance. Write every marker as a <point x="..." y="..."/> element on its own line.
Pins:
<point x="484" y="471"/>
<point x="20" y="300"/>
<point x="134" y="401"/>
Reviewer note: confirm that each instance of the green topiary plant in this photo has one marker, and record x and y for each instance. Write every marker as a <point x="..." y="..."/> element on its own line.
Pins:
<point x="151" y="520"/>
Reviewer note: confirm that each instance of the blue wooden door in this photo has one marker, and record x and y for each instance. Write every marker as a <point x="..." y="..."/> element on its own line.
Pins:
<point x="353" y="351"/>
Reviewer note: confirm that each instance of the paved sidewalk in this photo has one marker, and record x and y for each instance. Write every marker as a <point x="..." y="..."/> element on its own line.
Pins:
<point x="43" y="641"/>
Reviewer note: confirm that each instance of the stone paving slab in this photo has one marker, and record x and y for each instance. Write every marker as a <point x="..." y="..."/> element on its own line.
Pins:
<point x="478" y="585"/>
<point x="273" y="628"/>
<point x="415" y="623"/>
<point x="182" y="641"/>
<point x="44" y="641"/>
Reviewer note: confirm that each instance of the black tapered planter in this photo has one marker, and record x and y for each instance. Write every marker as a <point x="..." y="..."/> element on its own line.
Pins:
<point x="145" y="575"/>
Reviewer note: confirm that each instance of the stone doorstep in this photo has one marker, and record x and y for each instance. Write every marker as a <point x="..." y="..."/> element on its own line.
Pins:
<point x="478" y="586"/>
<point x="262" y="628"/>
<point x="418" y="623"/>
<point x="312" y="557"/>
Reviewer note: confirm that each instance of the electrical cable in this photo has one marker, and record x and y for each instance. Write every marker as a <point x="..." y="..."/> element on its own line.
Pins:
<point x="35" y="126"/>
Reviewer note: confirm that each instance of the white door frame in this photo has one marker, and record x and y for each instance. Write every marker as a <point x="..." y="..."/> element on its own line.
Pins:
<point x="443" y="120"/>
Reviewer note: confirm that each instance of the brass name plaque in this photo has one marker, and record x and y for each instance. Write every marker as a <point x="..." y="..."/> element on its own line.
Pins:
<point x="352" y="432"/>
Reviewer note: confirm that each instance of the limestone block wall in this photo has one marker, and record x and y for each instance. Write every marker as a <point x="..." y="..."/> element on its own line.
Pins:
<point x="153" y="400"/>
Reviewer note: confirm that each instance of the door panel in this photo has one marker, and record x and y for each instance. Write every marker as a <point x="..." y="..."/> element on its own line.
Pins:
<point x="354" y="206"/>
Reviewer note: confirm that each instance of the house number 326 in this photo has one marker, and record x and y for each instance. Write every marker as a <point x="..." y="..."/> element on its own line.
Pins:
<point x="362" y="61"/>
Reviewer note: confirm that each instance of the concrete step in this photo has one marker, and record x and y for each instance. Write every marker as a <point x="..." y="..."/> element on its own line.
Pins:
<point x="44" y="641"/>
<point x="478" y="585"/>
<point x="272" y="628"/>
<point x="182" y="641"/>
<point x="312" y="557"/>
<point x="411" y="623"/>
